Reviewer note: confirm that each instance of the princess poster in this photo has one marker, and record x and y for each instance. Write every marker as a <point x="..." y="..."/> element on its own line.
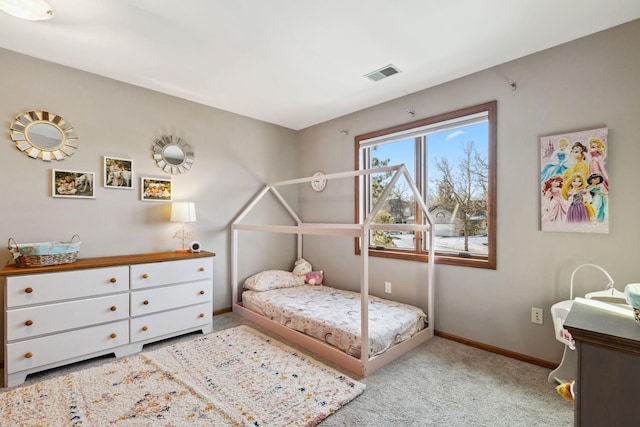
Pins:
<point x="574" y="183"/>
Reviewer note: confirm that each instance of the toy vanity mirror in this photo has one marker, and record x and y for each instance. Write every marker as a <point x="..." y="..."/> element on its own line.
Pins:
<point x="172" y="154"/>
<point x="43" y="135"/>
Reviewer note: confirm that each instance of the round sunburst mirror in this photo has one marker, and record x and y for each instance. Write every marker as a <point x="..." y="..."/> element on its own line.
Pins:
<point x="43" y="135"/>
<point x="172" y="154"/>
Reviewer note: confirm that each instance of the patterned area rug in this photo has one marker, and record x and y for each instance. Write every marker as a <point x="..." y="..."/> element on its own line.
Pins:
<point x="233" y="377"/>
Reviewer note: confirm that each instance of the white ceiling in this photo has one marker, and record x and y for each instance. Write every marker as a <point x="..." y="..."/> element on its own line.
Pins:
<point x="297" y="63"/>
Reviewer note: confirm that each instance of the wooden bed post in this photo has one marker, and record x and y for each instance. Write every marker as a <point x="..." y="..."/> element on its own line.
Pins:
<point x="364" y="300"/>
<point x="234" y="266"/>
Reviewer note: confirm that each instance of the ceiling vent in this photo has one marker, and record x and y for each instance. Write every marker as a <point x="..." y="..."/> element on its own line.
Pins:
<point x="382" y="73"/>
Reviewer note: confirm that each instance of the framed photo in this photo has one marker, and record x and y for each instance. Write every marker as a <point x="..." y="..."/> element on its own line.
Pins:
<point x="155" y="189"/>
<point x="74" y="184"/>
<point x="574" y="182"/>
<point x="118" y="173"/>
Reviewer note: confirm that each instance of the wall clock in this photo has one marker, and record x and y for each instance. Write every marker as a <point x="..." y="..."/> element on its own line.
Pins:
<point x="318" y="184"/>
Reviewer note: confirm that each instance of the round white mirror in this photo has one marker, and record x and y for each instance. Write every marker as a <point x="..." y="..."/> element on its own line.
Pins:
<point x="43" y="135"/>
<point x="172" y="154"/>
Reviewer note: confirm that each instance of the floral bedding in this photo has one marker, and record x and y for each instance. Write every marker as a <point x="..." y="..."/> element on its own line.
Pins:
<point x="333" y="315"/>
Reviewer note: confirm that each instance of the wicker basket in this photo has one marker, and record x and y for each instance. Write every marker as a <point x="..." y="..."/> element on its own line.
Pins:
<point x="632" y="296"/>
<point x="44" y="253"/>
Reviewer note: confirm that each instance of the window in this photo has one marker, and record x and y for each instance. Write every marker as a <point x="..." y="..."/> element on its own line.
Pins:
<point x="452" y="159"/>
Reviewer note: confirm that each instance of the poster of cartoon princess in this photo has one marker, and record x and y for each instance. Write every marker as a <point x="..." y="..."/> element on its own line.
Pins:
<point x="574" y="182"/>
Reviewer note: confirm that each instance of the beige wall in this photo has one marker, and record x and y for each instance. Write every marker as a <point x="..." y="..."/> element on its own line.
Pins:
<point x="585" y="84"/>
<point x="234" y="156"/>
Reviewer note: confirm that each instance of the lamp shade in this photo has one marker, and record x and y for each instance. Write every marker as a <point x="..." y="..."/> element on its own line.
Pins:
<point x="32" y="10"/>
<point x="183" y="212"/>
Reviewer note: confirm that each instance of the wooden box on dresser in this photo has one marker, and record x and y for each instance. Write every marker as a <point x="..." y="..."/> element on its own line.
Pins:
<point x="66" y="313"/>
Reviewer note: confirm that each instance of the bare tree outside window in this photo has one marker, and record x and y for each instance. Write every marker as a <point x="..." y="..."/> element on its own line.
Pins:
<point x="462" y="189"/>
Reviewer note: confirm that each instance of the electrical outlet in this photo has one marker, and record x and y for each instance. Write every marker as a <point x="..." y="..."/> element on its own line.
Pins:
<point x="387" y="287"/>
<point x="536" y="315"/>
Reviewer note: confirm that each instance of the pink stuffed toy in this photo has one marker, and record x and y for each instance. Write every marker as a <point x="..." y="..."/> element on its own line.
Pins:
<point x="303" y="268"/>
<point x="314" y="277"/>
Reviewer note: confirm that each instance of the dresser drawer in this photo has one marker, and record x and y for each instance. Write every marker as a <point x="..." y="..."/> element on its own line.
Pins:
<point x="33" y="321"/>
<point x="42" y="351"/>
<point x="168" y="297"/>
<point x="155" y="325"/>
<point x="168" y="272"/>
<point x="48" y="287"/>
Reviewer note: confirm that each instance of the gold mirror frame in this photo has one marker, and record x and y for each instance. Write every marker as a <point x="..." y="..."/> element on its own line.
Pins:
<point x="43" y="135"/>
<point x="172" y="154"/>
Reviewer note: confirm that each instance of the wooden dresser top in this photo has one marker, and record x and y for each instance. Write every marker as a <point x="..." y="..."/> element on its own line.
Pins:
<point x="109" y="261"/>
<point x="603" y="327"/>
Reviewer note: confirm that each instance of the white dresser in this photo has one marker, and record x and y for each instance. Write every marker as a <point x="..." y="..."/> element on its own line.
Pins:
<point x="62" y="314"/>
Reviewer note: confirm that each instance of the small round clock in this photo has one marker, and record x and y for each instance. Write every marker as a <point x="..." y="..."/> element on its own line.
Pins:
<point x="318" y="184"/>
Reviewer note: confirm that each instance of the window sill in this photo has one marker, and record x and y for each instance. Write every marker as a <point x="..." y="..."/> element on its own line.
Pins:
<point x="446" y="259"/>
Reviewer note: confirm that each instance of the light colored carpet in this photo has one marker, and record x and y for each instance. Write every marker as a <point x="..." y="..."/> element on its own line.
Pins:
<point x="445" y="383"/>
<point x="236" y="376"/>
<point x="439" y="383"/>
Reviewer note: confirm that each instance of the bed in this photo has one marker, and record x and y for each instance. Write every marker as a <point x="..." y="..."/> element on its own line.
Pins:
<point x="311" y="309"/>
<point x="366" y="332"/>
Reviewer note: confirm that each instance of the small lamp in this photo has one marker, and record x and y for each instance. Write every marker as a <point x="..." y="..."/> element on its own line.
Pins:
<point x="32" y="10"/>
<point x="183" y="212"/>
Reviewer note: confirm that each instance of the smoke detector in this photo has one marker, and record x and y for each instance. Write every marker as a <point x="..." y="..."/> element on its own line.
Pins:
<point x="382" y="73"/>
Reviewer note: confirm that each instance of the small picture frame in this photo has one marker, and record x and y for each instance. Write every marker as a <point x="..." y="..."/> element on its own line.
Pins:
<point x="118" y="173"/>
<point x="155" y="189"/>
<point x="72" y="184"/>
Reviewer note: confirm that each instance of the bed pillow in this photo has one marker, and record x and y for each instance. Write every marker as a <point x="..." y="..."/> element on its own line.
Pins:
<point x="273" y="279"/>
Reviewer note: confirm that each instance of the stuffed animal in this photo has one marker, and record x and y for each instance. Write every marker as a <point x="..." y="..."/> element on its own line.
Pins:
<point x="302" y="267"/>
<point x="314" y="277"/>
<point x="566" y="390"/>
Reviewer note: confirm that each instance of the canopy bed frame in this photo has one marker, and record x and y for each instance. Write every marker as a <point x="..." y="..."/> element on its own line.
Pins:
<point x="365" y="364"/>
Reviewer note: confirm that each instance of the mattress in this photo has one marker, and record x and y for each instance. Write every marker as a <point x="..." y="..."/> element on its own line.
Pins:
<point x="333" y="315"/>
